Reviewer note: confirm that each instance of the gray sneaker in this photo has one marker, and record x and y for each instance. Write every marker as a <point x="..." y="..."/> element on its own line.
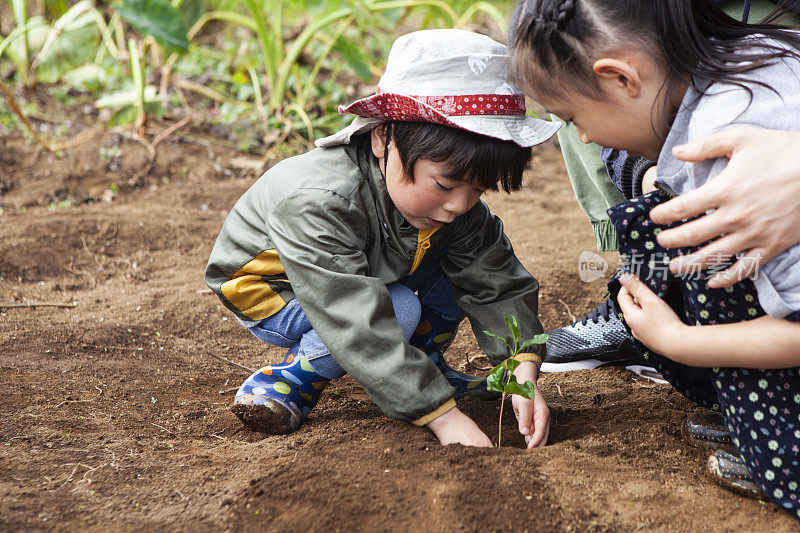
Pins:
<point x="597" y="339"/>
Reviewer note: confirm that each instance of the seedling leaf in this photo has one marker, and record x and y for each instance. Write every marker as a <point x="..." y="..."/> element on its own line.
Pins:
<point x="538" y="339"/>
<point x="158" y="18"/>
<point x="523" y="389"/>
<point x="494" y="381"/>
<point x="512" y="365"/>
<point x="501" y="378"/>
<point x="541" y="338"/>
<point x="498" y="337"/>
<point x="514" y="388"/>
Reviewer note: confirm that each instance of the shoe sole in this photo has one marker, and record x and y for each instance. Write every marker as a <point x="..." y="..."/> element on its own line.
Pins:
<point x="647" y="372"/>
<point x="743" y="487"/>
<point x="270" y="417"/>
<point x="584" y="364"/>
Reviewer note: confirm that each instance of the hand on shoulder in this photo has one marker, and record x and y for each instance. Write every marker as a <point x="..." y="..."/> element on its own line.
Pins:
<point x="754" y="202"/>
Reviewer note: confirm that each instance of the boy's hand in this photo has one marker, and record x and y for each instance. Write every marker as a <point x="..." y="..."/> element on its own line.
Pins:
<point x="456" y="427"/>
<point x="533" y="415"/>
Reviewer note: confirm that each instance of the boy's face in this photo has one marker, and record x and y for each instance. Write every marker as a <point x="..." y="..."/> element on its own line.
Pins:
<point x="432" y="199"/>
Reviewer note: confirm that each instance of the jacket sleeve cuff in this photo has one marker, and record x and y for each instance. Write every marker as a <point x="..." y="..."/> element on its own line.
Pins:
<point x="535" y="358"/>
<point x="442" y="409"/>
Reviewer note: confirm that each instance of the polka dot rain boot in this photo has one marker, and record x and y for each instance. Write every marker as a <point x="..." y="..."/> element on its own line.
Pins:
<point x="276" y="399"/>
<point x="707" y="432"/>
<point x="433" y="336"/>
<point x="730" y="471"/>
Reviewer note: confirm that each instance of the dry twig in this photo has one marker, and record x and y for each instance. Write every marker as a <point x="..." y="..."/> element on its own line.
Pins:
<point x="81" y="401"/>
<point x="571" y="316"/>
<point x="162" y="427"/>
<point x="37" y="304"/>
<point x="172" y="129"/>
<point x="193" y="86"/>
<point x="161" y="136"/>
<point x="134" y="136"/>
<point x="471" y="362"/>
<point x="53" y="147"/>
<point x="77" y="466"/>
<point x="277" y="142"/>
<point x="237" y="365"/>
<point x="111" y="347"/>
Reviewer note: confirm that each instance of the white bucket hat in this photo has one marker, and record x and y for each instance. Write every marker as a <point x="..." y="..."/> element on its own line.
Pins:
<point x="451" y="77"/>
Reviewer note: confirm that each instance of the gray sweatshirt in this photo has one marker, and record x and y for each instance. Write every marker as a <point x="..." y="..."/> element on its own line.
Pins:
<point x="725" y="106"/>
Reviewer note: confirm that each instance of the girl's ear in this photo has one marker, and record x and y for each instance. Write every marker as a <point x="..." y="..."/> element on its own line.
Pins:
<point x="378" y="139"/>
<point x="618" y="74"/>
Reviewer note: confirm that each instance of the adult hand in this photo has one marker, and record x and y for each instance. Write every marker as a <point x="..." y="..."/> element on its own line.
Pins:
<point x="651" y="320"/>
<point x="755" y="202"/>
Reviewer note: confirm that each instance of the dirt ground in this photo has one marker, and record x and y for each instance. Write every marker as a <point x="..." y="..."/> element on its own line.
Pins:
<point x="115" y="416"/>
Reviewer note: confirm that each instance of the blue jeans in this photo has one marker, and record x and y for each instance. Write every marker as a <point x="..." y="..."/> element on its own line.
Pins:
<point x="290" y="325"/>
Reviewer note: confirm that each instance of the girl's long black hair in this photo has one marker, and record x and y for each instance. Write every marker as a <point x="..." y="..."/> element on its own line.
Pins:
<point x="554" y="42"/>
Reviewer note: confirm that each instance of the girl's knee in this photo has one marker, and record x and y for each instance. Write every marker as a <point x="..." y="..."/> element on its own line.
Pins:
<point x="407" y="308"/>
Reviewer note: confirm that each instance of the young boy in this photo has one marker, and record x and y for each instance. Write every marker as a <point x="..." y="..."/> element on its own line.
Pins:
<point x="325" y="252"/>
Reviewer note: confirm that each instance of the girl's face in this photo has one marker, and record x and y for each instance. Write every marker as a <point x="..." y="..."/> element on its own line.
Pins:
<point x="622" y="124"/>
<point x="632" y="113"/>
<point x="432" y="199"/>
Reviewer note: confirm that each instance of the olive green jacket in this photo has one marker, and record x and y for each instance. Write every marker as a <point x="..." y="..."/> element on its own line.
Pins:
<point x="321" y="227"/>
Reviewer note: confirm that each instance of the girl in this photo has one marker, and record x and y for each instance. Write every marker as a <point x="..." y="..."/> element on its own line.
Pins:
<point x="644" y="77"/>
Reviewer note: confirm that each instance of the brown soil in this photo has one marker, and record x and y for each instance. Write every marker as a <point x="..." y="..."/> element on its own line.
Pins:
<point x="114" y="415"/>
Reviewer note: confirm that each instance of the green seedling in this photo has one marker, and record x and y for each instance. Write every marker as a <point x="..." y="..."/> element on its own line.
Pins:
<point x="501" y="379"/>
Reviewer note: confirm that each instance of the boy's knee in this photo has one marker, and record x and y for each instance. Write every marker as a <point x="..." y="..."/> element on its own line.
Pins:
<point x="407" y="308"/>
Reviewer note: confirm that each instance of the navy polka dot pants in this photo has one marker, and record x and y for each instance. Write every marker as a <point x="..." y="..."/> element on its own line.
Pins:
<point x="761" y="407"/>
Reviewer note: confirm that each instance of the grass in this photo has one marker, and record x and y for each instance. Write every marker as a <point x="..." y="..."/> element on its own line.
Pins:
<point x="256" y="67"/>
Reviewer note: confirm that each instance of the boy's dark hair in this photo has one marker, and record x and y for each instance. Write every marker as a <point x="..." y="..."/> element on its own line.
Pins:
<point x="487" y="162"/>
<point x="555" y="42"/>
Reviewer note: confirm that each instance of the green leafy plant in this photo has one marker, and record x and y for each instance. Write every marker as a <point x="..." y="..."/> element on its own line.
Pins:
<point x="158" y="21"/>
<point x="45" y="53"/>
<point x="501" y="378"/>
<point x="286" y="86"/>
<point x="288" y="61"/>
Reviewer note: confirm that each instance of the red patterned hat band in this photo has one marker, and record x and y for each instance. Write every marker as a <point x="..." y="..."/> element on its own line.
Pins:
<point x="429" y="77"/>
<point x="474" y="104"/>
